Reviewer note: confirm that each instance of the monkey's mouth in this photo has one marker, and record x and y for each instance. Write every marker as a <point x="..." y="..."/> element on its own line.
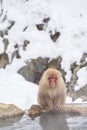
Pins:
<point x="52" y="84"/>
<point x="52" y="81"/>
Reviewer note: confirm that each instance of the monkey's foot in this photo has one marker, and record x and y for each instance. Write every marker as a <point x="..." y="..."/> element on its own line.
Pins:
<point x="59" y="108"/>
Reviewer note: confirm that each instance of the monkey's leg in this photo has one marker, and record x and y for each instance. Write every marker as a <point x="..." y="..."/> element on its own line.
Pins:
<point x="59" y="103"/>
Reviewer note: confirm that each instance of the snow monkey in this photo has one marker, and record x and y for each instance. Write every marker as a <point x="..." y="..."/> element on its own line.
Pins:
<point x="52" y="90"/>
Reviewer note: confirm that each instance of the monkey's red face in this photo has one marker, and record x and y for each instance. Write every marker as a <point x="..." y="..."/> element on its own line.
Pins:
<point x="52" y="81"/>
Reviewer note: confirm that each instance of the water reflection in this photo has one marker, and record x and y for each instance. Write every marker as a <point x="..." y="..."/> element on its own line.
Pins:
<point x="53" y="122"/>
<point x="9" y="121"/>
<point x="77" y="122"/>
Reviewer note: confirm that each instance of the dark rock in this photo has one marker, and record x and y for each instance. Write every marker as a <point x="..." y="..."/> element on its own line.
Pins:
<point x="33" y="71"/>
<point x="46" y="20"/>
<point x="26" y="42"/>
<point x="3" y="32"/>
<point x="40" y="27"/>
<point x="16" y="45"/>
<point x="6" y="43"/>
<point x="84" y="56"/>
<point x="11" y="24"/>
<point x="54" y="36"/>
<point x="25" y="28"/>
<point x="73" y="66"/>
<point x="56" y="63"/>
<point x="15" y="54"/>
<point x="4" y="60"/>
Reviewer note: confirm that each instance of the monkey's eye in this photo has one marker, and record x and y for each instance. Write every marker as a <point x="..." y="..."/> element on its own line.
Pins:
<point x="52" y="77"/>
<point x="48" y="78"/>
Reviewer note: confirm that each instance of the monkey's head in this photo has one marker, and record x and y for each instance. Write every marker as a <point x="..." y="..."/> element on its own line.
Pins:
<point x="52" y="77"/>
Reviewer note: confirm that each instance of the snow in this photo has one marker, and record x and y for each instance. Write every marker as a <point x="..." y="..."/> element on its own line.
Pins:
<point x="82" y="74"/>
<point x="14" y="89"/>
<point x="67" y="16"/>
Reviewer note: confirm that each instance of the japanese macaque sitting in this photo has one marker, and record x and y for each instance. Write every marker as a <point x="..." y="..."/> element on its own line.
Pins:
<point x="52" y="90"/>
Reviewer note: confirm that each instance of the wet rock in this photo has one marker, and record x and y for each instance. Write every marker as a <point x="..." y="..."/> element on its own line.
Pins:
<point x="4" y="60"/>
<point x="34" y="111"/>
<point x="9" y="110"/>
<point x="70" y="109"/>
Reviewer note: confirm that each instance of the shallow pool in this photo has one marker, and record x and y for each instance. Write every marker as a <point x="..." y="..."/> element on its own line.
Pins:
<point x="46" y="122"/>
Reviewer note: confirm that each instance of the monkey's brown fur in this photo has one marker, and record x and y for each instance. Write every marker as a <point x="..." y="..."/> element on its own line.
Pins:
<point x="51" y="98"/>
